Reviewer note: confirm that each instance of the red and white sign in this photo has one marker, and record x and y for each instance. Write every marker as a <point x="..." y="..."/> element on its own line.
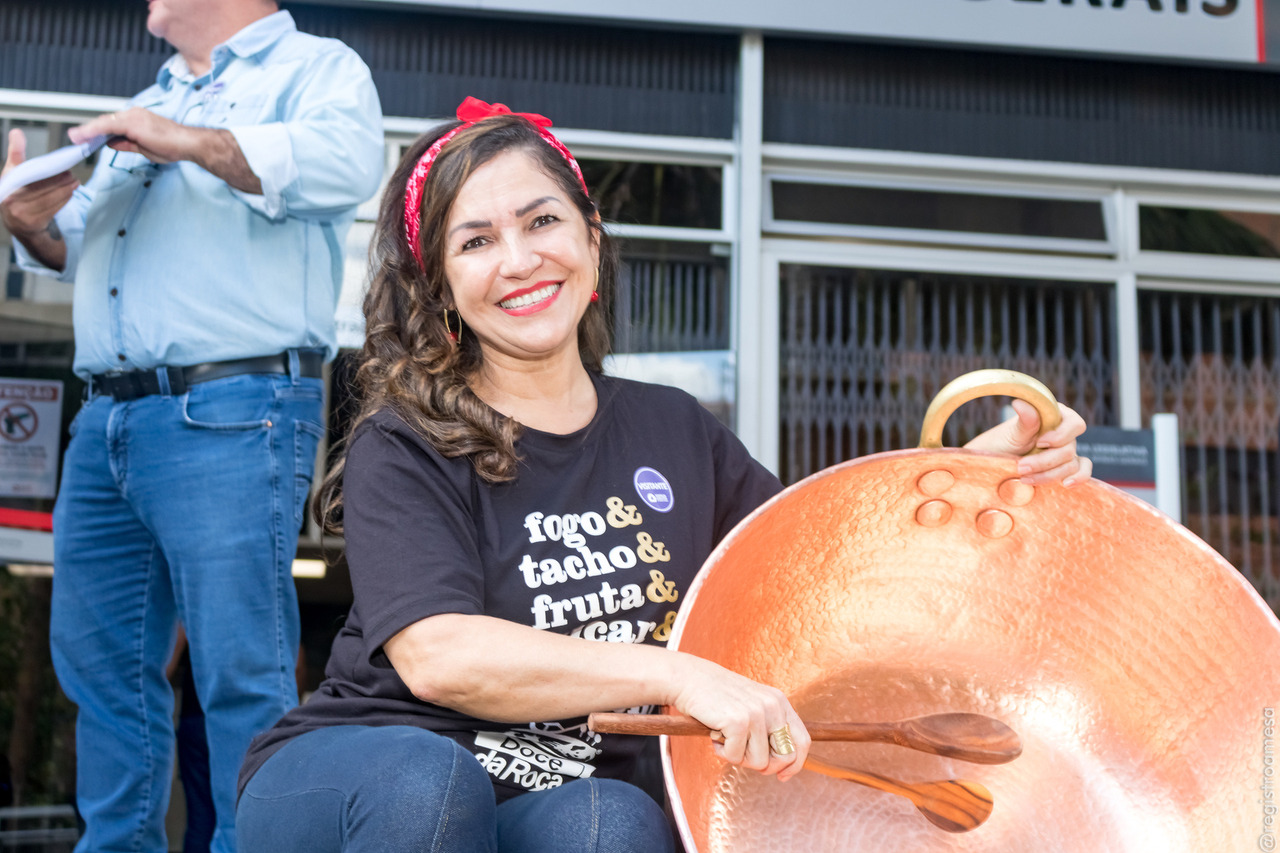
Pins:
<point x="30" y="429"/>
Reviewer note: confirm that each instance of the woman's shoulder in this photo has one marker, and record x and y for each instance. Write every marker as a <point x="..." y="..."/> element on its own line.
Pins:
<point x="649" y="393"/>
<point x="387" y="430"/>
<point x="665" y="406"/>
<point x="386" y="446"/>
<point x="383" y="423"/>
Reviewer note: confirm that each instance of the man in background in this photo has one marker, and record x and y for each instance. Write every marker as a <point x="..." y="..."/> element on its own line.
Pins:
<point x="206" y="252"/>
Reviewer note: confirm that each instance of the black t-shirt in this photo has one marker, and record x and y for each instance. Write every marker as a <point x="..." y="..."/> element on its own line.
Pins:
<point x="598" y="537"/>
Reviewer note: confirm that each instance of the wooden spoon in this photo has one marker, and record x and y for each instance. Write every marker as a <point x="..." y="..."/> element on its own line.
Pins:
<point x="966" y="737"/>
<point x="951" y="804"/>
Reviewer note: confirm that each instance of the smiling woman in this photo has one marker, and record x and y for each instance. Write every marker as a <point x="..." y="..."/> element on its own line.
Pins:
<point x="521" y="263"/>
<point x="476" y="589"/>
<point x="492" y="213"/>
<point x="520" y="531"/>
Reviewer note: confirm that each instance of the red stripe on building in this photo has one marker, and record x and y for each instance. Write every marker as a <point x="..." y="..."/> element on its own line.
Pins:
<point x="1260" y="6"/>
<point x="26" y="519"/>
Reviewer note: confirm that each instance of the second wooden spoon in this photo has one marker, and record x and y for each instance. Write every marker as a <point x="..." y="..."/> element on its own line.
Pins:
<point x="955" y="805"/>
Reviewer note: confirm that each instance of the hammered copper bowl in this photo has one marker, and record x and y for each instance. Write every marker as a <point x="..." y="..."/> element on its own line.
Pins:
<point x="1137" y="665"/>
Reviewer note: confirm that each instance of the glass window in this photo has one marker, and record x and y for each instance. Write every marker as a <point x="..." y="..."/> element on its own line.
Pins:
<point x="935" y="210"/>
<point x="672" y="297"/>
<point x="667" y="194"/>
<point x="672" y="195"/>
<point x="671" y="321"/>
<point x="1209" y="232"/>
<point x="13" y="279"/>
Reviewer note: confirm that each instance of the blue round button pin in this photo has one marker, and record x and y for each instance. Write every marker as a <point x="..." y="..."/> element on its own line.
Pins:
<point x="654" y="490"/>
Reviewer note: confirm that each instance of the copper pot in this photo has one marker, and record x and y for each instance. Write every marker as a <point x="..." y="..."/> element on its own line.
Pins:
<point x="1138" y="666"/>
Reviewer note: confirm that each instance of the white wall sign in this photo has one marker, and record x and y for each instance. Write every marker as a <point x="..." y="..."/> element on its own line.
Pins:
<point x="1198" y="30"/>
<point x="30" y="428"/>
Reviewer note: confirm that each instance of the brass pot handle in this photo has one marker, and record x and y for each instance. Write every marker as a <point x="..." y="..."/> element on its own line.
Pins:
<point x="987" y="383"/>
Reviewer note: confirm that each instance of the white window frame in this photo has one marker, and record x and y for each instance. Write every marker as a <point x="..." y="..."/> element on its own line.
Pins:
<point x="1129" y="270"/>
<point x="759" y="367"/>
<point x="56" y="106"/>
<point x="626" y="147"/>
<point x="1103" y="198"/>
<point x="1189" y="265"/>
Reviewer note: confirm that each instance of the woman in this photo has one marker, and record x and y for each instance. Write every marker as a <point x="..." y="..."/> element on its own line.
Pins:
<point x="502" y="501"/>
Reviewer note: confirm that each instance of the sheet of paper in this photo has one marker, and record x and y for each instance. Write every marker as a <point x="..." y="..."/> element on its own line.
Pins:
<point x="47" y="165"/>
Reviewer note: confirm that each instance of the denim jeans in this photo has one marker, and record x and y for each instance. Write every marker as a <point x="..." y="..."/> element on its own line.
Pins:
<point x="395" y="789"/>
<point x="178" y="507"/>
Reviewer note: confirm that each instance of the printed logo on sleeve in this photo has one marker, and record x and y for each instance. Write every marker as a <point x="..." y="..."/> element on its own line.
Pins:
<point x="654" y="490"/>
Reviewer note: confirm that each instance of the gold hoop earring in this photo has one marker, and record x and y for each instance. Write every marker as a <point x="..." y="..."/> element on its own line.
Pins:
<point x="453" y="336"/>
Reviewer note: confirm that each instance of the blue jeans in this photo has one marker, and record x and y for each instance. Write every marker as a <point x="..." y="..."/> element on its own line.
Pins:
<point x="395" y="789"/>
<point x="178" y="507"/>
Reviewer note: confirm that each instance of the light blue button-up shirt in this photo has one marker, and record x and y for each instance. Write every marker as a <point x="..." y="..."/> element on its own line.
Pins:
<point x="172" y="265"/>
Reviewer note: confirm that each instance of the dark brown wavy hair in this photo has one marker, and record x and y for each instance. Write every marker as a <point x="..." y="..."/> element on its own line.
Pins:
<point x="408" y="364"/>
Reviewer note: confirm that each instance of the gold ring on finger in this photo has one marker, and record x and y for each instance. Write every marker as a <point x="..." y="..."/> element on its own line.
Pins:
<point x="780" y="741"/>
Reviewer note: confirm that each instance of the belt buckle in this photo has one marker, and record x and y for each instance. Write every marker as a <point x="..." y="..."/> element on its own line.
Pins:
<point x="123" y="385"/>
<point x="111" y="381"/>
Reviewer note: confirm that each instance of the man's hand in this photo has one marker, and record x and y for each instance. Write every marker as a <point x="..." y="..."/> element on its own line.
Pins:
<point x="163" y="141"/>
<point x="142" y="132"/>
<point x="28" y="213"/>
<point x="29" y="210"/>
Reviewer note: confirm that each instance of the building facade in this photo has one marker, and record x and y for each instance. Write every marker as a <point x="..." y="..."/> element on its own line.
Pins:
<point x="829" y="209"/>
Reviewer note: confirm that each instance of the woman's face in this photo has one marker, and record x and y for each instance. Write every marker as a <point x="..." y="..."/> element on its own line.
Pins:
<point x="520" y="261"/>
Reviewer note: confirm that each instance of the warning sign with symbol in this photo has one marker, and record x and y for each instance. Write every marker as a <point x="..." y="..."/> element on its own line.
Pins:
<point x="30" y="426"/>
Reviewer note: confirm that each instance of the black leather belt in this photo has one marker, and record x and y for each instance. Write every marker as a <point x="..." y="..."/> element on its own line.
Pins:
<point x="125" y="385"/>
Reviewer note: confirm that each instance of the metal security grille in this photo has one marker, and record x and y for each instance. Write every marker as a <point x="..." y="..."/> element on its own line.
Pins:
<point x="864" y="352"/>
<point x="1211" y="358"/>
<point x="672" y="305"/>
<point x="633" y="80"/>
<point x="92" y="47"/>
<point x="423" y="62"/>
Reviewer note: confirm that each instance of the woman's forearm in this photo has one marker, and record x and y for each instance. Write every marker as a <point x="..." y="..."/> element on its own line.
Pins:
<point x="498" y="670"/>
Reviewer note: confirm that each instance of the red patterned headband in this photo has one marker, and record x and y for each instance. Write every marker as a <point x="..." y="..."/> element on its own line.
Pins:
<point x="470" y="111"/>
